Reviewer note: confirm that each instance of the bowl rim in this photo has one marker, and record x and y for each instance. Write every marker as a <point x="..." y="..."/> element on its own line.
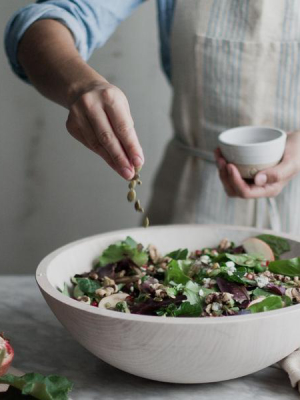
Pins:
<point x="46" y="287"/>
<point x="223" y="141"/>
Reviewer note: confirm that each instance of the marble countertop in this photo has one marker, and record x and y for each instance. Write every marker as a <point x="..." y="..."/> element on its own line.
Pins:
<point x="42" y="345"/>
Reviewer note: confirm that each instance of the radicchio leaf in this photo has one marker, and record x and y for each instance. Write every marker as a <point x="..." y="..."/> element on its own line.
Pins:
<point x="239" y="292"/>
<point x="279" y="290"/>
<point x="150" y="306"/>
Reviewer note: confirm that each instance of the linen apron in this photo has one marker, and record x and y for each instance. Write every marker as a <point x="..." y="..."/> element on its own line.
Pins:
<point x="234" y="62"/>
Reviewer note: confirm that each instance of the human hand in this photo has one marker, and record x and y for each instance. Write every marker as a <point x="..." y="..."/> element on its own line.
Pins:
<point x="100" y="119"/>
<point x="267" y="183"/>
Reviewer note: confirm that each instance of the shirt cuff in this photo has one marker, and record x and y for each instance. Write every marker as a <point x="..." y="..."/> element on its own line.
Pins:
<point x="23" y="19"/>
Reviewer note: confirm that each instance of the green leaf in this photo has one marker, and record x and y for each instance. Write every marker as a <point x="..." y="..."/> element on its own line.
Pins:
<point x="245" y="260"/>
<point x="268" y="304"/>
<point x="180" y="254"/>
<point x="130" y="242"/>
<point x="121" y="250"/>
<point x="258" y="292"/>
<point x="65" y="290"/>
<point x="77" y="292"/>
<point x="174" y="273"/>
<point x="205" y="291"/>
<point x="191" y="291"/>
<point x="88" y="286"/>
<point x="286" y="267"/>
<point x="51" y="387"/>
<point x="278" y="245"/>
<point x="189" y="310"/>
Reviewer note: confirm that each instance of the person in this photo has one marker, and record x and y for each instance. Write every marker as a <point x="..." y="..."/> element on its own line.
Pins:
<point x="230" y="63"/>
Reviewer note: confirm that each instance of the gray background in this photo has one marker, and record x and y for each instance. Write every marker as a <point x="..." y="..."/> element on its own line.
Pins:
<point x="53" y="190"/>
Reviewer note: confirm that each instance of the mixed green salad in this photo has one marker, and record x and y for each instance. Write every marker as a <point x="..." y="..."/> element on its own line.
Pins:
<point x="208" y="282"/>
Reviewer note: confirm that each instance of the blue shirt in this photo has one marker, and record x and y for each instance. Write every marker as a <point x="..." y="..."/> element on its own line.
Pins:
<point x="91" y="22"/>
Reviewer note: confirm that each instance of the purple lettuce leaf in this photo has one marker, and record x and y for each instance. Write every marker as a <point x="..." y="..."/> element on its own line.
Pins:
<point x="239" y="292"/>
<point x="150" y="305"/>
<point x="279" y="290"/>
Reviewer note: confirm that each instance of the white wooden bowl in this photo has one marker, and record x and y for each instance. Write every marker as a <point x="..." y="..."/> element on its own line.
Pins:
<point x="180" y="350"/>
<point x="252" y="148"/>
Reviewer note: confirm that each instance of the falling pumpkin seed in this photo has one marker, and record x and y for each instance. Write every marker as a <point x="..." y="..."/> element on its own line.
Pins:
<point x="146" y="222"/>
<point x="131" y="195"/>
<point x="139" y="182"/>
<point x="132" y="184"/>
<point x="136" y="176"/>
<point x="137" y="205"/>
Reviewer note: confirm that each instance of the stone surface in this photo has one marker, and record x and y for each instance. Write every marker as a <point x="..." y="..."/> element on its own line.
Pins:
<point x="42" y="345"/>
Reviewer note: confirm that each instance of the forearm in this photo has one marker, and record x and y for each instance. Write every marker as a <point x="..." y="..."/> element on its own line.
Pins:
<point x="53" y="64"/>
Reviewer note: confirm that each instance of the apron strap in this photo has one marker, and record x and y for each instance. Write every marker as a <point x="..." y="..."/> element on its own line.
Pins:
<point x="262" y="203"/>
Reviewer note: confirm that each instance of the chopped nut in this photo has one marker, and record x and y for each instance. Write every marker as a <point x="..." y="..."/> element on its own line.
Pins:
<point x="107" y="291"/>
<point x="287" y="279"/>
<point x="108" y="282"/>
<point x="93" y="275"/>
<point x="224" y="244"/>
<point x="214" y="253"/>
<point x="293" y="294"/>
<point x="216" y="265"/>
<point x="153" y="253"/>
<point x="84" y="299"/>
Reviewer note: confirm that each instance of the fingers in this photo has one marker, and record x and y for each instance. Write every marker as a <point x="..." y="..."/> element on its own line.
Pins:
<point x="236" y="186"/>
<point x="103" y="137"/>
<point x="120" y="118"/>
<point x="223" y="173"/>
<point x="101" y="120"/>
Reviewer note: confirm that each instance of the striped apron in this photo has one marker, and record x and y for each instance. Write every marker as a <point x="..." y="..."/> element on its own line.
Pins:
<point x="234" y="62"/>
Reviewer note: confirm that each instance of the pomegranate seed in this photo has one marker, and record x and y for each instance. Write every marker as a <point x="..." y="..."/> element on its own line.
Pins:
<point x="198" y="253"/>
<point x="94" y="303"/>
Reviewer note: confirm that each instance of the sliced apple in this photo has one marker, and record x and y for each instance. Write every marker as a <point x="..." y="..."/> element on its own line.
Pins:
<point x="258" y="246"/>
<point x="112" y="300"/>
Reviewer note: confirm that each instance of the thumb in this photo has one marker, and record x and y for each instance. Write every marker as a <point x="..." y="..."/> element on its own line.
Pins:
<point x="279" y="173"/>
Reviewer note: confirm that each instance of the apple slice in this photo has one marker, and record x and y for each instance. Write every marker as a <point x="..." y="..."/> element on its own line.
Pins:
<point x="258" y="246"/>
<point x="6" y="355"/>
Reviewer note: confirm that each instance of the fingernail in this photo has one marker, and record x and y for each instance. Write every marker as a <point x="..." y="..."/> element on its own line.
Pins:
<point x="261" y="179"/>
<point x="126" y="173"/>
<point x="137" y="161"/>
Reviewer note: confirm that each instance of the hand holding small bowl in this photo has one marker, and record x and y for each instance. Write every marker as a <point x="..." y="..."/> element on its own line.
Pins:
<point x="267" y="155"/>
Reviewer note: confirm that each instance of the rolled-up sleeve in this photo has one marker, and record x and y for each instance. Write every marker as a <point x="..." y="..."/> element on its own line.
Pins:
<point x="90" y="21"/>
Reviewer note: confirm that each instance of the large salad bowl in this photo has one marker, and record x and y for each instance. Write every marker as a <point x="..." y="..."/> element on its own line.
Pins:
<point x="179" y="350"/>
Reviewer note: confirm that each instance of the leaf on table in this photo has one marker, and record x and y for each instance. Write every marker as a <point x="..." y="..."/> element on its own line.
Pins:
<point x="51" y="387"/>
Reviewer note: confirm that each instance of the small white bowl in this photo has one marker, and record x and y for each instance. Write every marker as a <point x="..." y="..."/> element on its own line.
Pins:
<point x="180" y="350"/>
<point x="252" y="148"/>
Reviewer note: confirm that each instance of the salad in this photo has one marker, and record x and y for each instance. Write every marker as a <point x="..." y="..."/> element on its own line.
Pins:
<point x="208" y="282"/>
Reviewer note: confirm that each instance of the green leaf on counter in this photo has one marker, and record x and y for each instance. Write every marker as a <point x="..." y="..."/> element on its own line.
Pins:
<point x="278" y="245"/>
<point x="51" y="387"/>
<point x="180" y="254"/>
<point x="289" y="267"/>
<point x="268" y="304"/>
<point x="127" y="248"/>
<point x="87" y="286"/>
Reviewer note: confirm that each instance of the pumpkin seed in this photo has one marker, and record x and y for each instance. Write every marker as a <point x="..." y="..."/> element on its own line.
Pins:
<point x="146" y="222"/>
<point x="131" y="195"/>
<point x="132" y="184"/>
<point x="137" y="205"/>
<point x="139" y="182"/>
<point x="136" y="176"/>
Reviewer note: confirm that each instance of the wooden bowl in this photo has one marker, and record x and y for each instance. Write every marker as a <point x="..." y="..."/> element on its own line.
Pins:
<point x="179" y="350"/>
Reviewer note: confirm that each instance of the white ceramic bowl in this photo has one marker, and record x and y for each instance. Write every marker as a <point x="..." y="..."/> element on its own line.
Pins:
<point x="252" y="148"/>
<point x="180" y="350"/>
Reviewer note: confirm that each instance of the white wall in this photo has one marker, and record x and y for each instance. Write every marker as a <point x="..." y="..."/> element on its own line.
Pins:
<point x="52" y="189"/>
